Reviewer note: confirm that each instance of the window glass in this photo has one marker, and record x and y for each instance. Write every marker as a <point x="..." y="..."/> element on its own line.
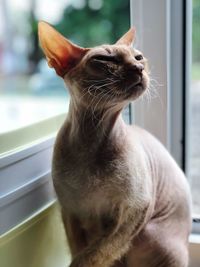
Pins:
<point x="194" y="127"/>
<point x="29" y="90"/>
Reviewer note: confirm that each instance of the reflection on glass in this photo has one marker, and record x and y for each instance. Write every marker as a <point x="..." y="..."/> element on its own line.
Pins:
<point x="29" y="89"/>
<point x="194" y="128"/>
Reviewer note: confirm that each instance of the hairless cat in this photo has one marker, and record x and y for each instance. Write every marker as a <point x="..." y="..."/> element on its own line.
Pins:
<point x="124" y="200"/>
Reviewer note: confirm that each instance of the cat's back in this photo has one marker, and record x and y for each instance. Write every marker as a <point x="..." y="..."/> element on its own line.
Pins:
<point x="162" y="165"/>
<point x="172" y="193"/>
<point x="157" y="154"/>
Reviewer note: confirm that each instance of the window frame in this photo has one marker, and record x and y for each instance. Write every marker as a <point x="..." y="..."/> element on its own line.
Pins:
<point x="30" y="188"/>
<point x="25" y="171"/>
<point x="172" y="69"/>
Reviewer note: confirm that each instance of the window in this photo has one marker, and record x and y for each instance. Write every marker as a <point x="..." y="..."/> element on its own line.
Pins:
<point x="30" y="90"/>
<point x="194" y="110"/>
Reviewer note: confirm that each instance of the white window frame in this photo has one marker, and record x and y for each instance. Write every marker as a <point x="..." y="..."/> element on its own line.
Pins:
<point x="164" y="30"/>
<point x="26" y="184"/>
<point x="143" y="18"/>
<point x="25" y="171"/>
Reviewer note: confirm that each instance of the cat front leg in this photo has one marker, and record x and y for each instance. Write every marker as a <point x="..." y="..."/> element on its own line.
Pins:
<point x="110" y="247"/>
<point x="75" y="234"/>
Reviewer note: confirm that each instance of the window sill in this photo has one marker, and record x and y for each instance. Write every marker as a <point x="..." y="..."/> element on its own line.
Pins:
<point x="39" y="240"/>
<point x="26" y="184"/>
<point x="19" y="139"/>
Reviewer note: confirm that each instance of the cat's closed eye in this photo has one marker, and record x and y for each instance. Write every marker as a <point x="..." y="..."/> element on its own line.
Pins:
<point x="106" y="58"/>
<point x="139" y="57"/>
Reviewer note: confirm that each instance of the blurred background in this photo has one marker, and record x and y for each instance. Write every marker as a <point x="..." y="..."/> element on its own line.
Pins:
<point x="29" y="89"/>
<point x="194" y="123"/>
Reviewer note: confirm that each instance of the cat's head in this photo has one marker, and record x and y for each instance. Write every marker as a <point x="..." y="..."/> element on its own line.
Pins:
<point x="108" y="74"/>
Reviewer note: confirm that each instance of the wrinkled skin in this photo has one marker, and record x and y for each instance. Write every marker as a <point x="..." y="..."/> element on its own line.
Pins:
<point x="124" y="200"/>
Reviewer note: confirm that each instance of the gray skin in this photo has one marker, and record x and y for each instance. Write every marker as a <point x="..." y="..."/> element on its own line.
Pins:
<point x="124" y="200"/>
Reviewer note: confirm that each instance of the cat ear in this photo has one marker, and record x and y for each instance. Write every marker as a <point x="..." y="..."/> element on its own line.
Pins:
<point x="61" y="54"/>
<point x="128" y="38"/>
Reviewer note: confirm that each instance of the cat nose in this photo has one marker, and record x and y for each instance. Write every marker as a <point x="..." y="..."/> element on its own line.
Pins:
<point x="135" y="68"/>
<point x="138" y="67"/>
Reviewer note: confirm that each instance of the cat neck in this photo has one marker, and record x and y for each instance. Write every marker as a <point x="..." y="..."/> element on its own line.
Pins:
<point x="93" y="127"/>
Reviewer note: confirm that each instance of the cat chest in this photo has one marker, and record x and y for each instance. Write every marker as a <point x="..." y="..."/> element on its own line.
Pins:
<point x="93" y="194"/>
<point x="88" y="186"/>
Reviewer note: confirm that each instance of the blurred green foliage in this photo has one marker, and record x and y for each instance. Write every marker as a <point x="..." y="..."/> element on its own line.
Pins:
<point x="90" y="27"/>
<point x="196" y="32"/>
<point x="195" y="72"/>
